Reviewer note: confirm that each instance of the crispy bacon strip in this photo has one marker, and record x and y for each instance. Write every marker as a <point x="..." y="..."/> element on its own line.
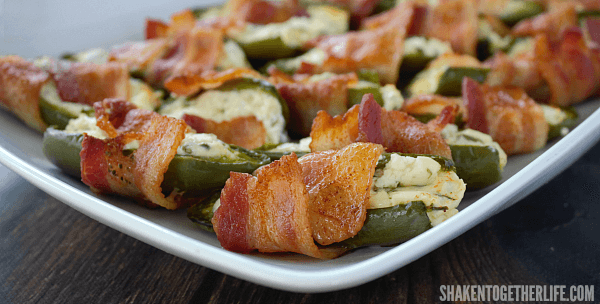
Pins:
<point x="262" y="11"/>
<point x="522" y="71"/>
<point x="507" y="114"/>
<point x="551" y="23"/>
<point x="592" y="31"/>
<point x="400" y="131"/>
<point x="268" y="213"/>
<point x="87" y="83"/>
<point x="107" y="169"/>
<point x="139" y="56"/>
<point x="247" y="131"/>
<point x="20" y="85"/>
<point x="192" y="52"/>
<point x="424" y="104"/>
<point x="454" y="21"/>
<point x="189" y="84"/>
<point x="570" y="68"/>
<point x="560" y="72"/>
<point x="339" y="185"/>
<point x="156" y="29"/>
<point x="305" y="97"/>
<point x="379" y="47"/>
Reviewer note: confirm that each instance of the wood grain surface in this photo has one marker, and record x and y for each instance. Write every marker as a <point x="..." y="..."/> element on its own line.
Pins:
<point x="51" y="253"/>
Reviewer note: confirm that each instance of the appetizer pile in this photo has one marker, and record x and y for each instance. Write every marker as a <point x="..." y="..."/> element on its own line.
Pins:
<point x="315" y="126"/>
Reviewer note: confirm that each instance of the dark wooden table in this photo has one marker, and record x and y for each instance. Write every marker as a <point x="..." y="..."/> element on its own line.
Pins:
<point x="51" y="253"/>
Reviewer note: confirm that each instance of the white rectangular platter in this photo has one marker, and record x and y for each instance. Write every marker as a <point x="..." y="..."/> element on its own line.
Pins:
<point x="64" y="26"/>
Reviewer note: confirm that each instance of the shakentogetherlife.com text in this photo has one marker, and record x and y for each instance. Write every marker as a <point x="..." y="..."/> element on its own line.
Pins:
<point x="524" y="293"/>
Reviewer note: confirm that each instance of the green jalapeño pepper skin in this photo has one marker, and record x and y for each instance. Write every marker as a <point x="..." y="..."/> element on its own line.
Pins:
<point x="449" y="83"/>
<point x="275" y="155"/>
<point x="202" y="213"/>
<point x="244" y="83"/>
<point x="391" y="226"/>
<point x="518" y="10"/>
<point x="62" y="149"/>
<point x="57" y="113"/>
<point x="187" y="174"/>
<point x="570" y="121"/>
<point x="198" y="175"/>
<point x="356" y="94"/>
<point x="271" y="48"/>
<point x="477" y="166"/>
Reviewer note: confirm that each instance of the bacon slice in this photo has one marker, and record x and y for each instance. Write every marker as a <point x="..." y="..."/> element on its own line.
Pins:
<point x="379" y="47"/>
<point x="192" y="52"/>
<point x="507" y="114"/>
<point x="339" y="185"/>
<point x="551" y="23"/>
<point x="87" y="83"/>
<point x="262" y="11"/>
<point x="425" y="104"/>
<point x="190" y="84"/>
<point x="400" y="131"/>
<point x="20" y="85"/>
<point x="156" y="29"/>
<point x="268" y="213"/>
<point x="560" y="72"/>
<point x="454" y="21"/>
<point x="522" y="71"/>
<point x="570" y="68"/>
<point x="139" y="56"/>
<point x="247" y="131"/>
<point x="107" y="169"/>
<point x="305" y="97"/>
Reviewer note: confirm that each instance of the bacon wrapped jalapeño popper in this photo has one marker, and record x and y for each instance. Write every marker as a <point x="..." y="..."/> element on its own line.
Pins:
<point x="107" y="153"/>
<point x="48" y="92"/>
<point x="405" y="195"/>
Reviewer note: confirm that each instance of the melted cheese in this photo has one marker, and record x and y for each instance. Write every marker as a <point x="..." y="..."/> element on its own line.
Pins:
<point x="470" y="137"/>
<point x="232" y="56"/>
<point x="392" y="98"/>
<point x="429" y="47"/>
<point x="407" y="179"/>
<point x="204" y="145"/>
<point x="301" y="146"/>
<point x="85" y="124"/>
<point x="323" y="20"/>
<point x="226" y="105"/>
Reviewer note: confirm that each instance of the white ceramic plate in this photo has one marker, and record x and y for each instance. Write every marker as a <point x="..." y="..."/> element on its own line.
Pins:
<point x="21" y="151"/>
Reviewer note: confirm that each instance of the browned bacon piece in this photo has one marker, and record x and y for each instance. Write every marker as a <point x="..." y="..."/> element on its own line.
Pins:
<point x="425" y="104"/>
<point x="507" y="114"/>
<point x="107" y="169"/>
<point x="268" y="212"/>
<point x="262" y="11"/>
<point x="379" y="47"/>
<point x="560" y="72"/>
<point x="522" y="71"/>
<point x="139" y="56"/>
<point x="339" y="185"/>
<point x="20" y="85"/>
<point x="188" y="84"/>
<point x="400" y="131"/>
<point x="306" y="97"/>
<point x="454" y="21"/>
<point x="247" y="131"/>
<point x="87" y="83"/>
<point x="192" y="52"/>
<point x="550" y="24"/>
<point x="569" y="67"/>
